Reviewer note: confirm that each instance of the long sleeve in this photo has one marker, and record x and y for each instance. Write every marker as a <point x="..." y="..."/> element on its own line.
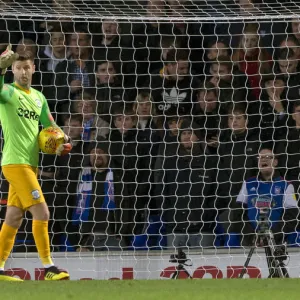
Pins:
<point x="5" y="90"/>
<point x="46" y="117"/>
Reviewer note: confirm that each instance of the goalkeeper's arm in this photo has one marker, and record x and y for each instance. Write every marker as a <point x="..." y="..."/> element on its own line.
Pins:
<point x="6" y="60"/>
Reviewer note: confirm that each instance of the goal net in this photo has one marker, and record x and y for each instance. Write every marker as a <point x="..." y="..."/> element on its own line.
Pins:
<point x="185" y="121"/>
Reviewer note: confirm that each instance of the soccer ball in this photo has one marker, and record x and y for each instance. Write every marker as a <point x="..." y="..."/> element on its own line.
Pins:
<point x="50" y="139"/>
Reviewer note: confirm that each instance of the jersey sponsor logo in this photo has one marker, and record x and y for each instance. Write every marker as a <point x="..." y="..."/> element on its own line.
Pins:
<point x="35" y="194"/>
<point x="28" y="114"/>
<point x="262" y="202"/>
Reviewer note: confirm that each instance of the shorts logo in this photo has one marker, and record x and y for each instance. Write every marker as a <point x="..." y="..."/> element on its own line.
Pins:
<point x="35" y="194"/>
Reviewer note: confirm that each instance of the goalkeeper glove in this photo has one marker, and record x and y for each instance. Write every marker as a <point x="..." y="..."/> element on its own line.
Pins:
<point x="7" y="58"/>
<point x="65" y="148"/>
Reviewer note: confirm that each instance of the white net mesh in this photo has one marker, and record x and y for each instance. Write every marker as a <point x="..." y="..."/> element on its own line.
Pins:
<point x="185" y="123"/>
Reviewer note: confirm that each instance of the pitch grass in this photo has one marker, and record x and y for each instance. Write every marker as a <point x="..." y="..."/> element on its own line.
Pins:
<point x="229" y="289"/>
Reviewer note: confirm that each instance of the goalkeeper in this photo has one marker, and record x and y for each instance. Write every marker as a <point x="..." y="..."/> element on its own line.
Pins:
<point x="21" y="109"/>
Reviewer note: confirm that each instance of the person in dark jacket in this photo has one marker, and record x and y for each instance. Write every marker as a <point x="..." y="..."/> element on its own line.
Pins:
<point x="288" y="67"/>
<point x="237" y="151"/>
<point x="186" y="194"/>
<point x="173" y="89"/>
<point x="208" y="115"/>
<point x="67" y="176"/>
<point x="233" y="84"/>
<point x="52" y="54"/>
<point x="110" y="89"/>
<point x="75" y="73"/>
<point x="125" y="163"/>
<point x="288" y="151"/>
<point x="274" y="109"/>
<point x="110" y="45"/>
<point x="148" y="142"/>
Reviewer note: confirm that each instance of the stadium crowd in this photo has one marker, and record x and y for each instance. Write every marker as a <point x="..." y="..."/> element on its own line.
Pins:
<point x="167" y="122"/>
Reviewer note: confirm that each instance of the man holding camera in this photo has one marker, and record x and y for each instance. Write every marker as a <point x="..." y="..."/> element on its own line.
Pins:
<point x="268" y="195"/>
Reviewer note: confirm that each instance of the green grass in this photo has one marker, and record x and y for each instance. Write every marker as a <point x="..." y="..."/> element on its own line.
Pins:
<point x="235" y="289"/>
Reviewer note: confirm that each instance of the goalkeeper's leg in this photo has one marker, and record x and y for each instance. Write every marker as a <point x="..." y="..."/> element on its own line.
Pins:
<point x="40" y="214"/>
<point x="13" y="220"/>
<point x="24" y="181"/>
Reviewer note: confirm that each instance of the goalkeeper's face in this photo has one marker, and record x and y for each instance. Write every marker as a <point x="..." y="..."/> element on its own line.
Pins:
<point x="23" y="71"/>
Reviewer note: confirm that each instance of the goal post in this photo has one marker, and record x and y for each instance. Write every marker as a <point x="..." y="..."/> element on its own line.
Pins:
<point x="184" y="117"/>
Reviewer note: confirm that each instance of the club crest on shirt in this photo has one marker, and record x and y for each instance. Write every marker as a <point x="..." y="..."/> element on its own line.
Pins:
<point x="277" y="190"/>
<point x="38" y="103"/>
<point x="35" y="194"/>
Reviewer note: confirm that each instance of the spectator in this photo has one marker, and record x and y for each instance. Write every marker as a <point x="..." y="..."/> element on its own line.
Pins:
<point x="173" y="88"/>
<point x="288" y="66"/>
<point x="85" y="104"/>
<point x="233" y="84"/>
<point x="186" y="193"/>
<point x="152" y="42"/>
<point x="274" y="109"/>
<point x="110" y="89"/>
<point x="268" y="30"/>
<point x="76" y="72"/>
<point x="208" y="115"/>
<point x="237" y="151"/>
<point x="168" y="146"/>
<point x="100" y="207"/>
<point x="148" y="141"/>
<point x="110" y="47"/>
<point x="252" y="59"/>
<point x="288" y="151"/>
<point x="294" y="31"/>
<point x="124" y="162"/>
<point x="52" y="54"/>
<point x="67" y="175"/>
<point x="217" y="48"/>
<point x="266" y="192"/>
<point x="290" y="42"/>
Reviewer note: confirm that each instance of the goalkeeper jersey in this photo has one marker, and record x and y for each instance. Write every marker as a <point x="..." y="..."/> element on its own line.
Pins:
<point x="20" y="113"/>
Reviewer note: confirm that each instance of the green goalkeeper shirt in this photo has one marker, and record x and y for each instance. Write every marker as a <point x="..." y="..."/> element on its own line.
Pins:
<point x="20" y="113"/>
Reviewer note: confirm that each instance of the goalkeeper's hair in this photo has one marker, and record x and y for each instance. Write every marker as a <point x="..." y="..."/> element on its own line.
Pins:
<point x="26" y="55"/>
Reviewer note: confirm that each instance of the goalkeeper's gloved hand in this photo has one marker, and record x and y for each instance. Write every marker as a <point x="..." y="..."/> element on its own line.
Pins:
<point x="65" y="148"/>
<point x="7" y="58"/>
